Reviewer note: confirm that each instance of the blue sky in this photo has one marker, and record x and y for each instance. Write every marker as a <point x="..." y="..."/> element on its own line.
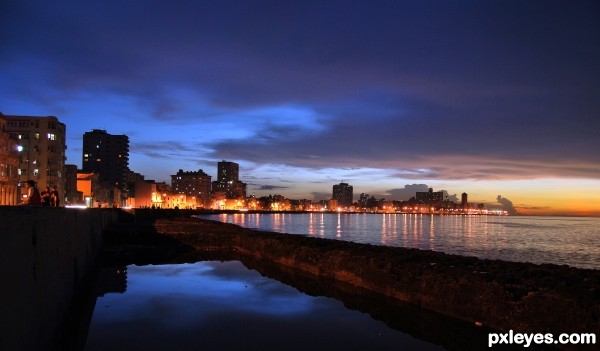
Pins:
<point x="486" y="97"/>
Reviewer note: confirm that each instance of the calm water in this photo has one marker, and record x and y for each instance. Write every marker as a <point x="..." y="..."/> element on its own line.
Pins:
<point x="574" y="241"/>
<point x="226" y="306"/>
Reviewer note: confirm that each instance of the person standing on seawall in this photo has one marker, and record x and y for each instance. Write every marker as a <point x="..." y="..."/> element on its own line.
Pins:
<point x="45" y="194"/>
<point x="54" y="199"/>
<point x="33" y="195"/>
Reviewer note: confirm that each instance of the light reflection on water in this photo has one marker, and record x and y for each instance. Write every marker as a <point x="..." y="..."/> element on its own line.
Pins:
<point x="225" y="306"/>
<point x="558" y="240"/>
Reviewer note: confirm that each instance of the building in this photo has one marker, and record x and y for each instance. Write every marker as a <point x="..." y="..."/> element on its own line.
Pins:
<point x="343" y="194"/>
<point x="96" y="193"/>
<point x="464" y="203"/>
<point x="41" y="144"/>
<point x="131" y="179"/>
<point x="228" y="180"/>
<point x="72" y="195"/>
<point x="192" y="184"/>
<point x="9" y="166"/>
<point x="107" y="155"/>
<point x="228" y="171"/>
<point x="363" y="200"/>
<point x="87" y="186"/>
<point x="430" y="197"/>
<point x="332" y="205"/>
<point x="146" y="194"/>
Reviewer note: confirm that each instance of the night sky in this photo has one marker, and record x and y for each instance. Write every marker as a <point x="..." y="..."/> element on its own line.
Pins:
<point x="492" y="98"/>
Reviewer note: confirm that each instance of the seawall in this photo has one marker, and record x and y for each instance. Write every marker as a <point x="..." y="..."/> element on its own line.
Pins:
<point x="47" y="256"/>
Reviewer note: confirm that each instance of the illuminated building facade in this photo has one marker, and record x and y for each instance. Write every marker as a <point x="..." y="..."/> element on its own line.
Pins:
<point x="343" y="193"/>
<point x="87" y="186"/>
<point x="192" y="184"/>
<point x="228" y="180"/>
<point x="9" y="166"/>
<point x="106" y="155"/>
<point x="41" y="144"/>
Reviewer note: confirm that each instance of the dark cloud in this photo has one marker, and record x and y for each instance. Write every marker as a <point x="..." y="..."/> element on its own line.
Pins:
<point x="507" y="205"/>
<point x="163" y="149"/>
<point x="430" y="90"/>
<point x="269" y="187"/>
<point x="450" y="197"/>
<point x="408" y="191"/>
<point x="318" y="195"/>
<point x="457" y="146"/>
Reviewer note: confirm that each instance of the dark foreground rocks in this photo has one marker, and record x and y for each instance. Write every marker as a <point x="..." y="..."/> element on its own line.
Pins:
<point x="523" y="297"/>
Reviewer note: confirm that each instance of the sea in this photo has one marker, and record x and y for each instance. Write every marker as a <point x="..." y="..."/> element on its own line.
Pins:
<point x="572" y="241"/>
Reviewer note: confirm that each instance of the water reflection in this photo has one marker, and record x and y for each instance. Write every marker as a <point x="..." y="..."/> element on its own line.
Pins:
<point x="565" y="240"/>
<point x="255" y="305"/>
<point x="226" y="306"/>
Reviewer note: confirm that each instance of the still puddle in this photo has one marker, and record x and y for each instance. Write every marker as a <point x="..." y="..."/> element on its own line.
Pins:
<point x="215" y="305"/>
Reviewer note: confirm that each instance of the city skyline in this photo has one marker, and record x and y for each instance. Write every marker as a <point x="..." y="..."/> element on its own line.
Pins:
<point x="493" y="99"/>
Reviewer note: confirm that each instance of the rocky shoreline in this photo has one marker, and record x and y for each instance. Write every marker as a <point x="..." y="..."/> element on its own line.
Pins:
<point x="523" y="297"/>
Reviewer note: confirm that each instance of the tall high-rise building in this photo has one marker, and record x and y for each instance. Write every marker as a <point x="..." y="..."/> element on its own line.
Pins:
<point x="106" y="155"/>
<point x="343" y="194"/>
<point x="192" y="184"/>
<point x="41" y="145"/>
<point x="464" y="202"/>
<point x="228" y="172"/>
<point x="228" y="180"/>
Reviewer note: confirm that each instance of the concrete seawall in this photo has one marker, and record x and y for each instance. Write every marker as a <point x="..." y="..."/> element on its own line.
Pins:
<point x="47" y="256"/>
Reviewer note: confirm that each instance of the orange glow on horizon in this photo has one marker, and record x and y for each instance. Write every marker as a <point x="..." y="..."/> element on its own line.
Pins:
<point x="539" y="197"/>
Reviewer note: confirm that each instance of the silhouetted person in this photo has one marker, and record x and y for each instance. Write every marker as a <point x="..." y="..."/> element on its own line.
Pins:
<point x="45" y="194"/>
<point x="54" y="199"/>
<point x="33" y="195"/>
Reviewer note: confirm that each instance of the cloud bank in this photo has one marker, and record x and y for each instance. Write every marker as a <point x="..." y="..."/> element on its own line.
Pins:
<point x="426" y="91"/>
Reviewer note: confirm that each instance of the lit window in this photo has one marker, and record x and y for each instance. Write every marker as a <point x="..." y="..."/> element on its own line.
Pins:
<point x="51" y="136"/>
